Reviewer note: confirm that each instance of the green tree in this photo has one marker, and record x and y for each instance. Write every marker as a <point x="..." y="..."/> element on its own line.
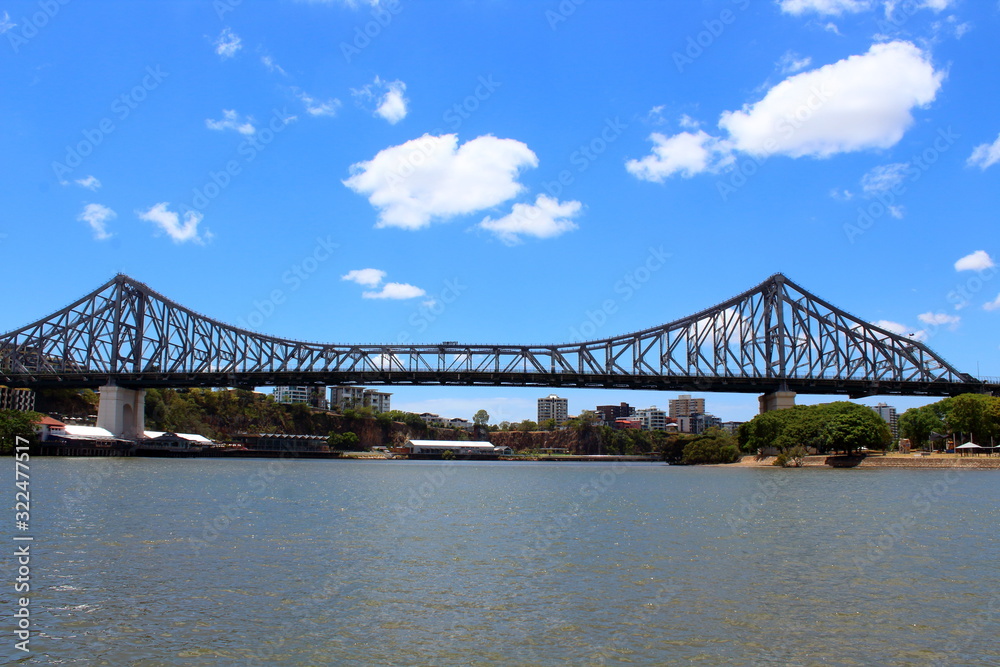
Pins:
<point x="713" y="446"/>
<point x="481" y="418"/>
<point x="917" y="424"/>
<point x="852" y="431"/>
<point x="14" y="424"/>
<point x="527" y="425"/>
<point x="548" y="425"/>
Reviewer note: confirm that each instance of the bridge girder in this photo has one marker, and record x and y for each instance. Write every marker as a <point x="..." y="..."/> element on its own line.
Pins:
<point x="771" y="336"/>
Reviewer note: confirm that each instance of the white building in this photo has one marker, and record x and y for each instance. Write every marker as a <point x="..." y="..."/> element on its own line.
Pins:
<point x="342" y="398"/>
<point x="652" y="419"/>
<point x="888" y="414"/>
<point x="553" y="407"/>
<point x="301" y="394"/>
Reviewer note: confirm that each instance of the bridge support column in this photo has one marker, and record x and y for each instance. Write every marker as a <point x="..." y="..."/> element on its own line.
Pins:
<point x="122" y="411"/>
<point x="779" y="400"/>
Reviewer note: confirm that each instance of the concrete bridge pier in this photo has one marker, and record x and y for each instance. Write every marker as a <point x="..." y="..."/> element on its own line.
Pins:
<point x="778" y="400"/>
<point x="122" y="411"/>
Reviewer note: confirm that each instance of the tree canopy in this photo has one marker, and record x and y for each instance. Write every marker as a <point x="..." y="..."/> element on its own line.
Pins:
<point x="826" y="427"/>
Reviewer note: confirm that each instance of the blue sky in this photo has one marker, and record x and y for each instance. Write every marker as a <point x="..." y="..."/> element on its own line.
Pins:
<point x="368" y="172"/>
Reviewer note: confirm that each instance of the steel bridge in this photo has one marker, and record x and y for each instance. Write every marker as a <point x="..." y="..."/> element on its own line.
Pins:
<point x="775" y="337"/>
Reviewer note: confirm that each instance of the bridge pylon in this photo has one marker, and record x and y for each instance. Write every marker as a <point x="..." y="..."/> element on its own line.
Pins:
<point x="777" y="400"/>
<point x="122" y="411"/>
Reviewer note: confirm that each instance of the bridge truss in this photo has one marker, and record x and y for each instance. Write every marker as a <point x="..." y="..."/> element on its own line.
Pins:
<point x="776" y="336"/>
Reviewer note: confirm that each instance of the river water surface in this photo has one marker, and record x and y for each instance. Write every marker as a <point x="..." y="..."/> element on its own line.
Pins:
<point x="204" y="562"/>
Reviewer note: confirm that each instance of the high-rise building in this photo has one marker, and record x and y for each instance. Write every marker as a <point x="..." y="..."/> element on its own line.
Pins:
<point x="888" y="413"/>
<point x="343" y="398"/>
<point x="685" y="406"/>
<point x="314" y="396"/>
<point x="22" y="400"/>
<point x="609" y="413"/>
<point x="553" y="407"/>
<point x="652" y="419"/>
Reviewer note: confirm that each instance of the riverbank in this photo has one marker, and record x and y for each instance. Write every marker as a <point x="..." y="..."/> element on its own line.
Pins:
<point x="887" y="461"/>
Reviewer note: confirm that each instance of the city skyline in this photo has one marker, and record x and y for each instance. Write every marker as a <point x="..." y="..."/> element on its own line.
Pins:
<point x="318" y="170"/>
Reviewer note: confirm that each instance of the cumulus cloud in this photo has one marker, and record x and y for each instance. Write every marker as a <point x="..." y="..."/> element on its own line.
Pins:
<point x="546" y="218"/>
<point x="939" y="319"/>
<point x="395" y="291"/>
<point x="901" y="329"/>
<point x="227" y="44"/>
<point x="859" y="103"/>
<point x="170" y="222"/>
<point x="687" y="154"/>
<point x="433" y="178"/>
<point x="97" y="216"/>
<point x="825" y="7"/>
<point x="992" y="305"/>
<point x="231" y="121"/>
<point x="976" y="261"/>
<point x="373" y="278"/>
<point x="985" y="155"/>
<point x="90" y="182"/>
<point x="387" y="96"/>
<point x="316" y="107"/>
<point x="365" y="277"/>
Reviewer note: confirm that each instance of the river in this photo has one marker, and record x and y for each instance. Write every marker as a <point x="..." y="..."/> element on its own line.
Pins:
<point x="288" y="562"/>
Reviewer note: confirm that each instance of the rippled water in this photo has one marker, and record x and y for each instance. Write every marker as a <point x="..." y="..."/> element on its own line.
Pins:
<point x="191" y="562"/>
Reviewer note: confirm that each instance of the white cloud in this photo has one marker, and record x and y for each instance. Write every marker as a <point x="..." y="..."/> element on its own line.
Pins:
<point x="687" y="153"/>
<point x="884" y="178"/>
<point x="827" y="7"/>
<point x="854" y="104"/>
<point x="792" y="62"/>
<point x="231" y="121"/>
<point x="976" y="261"/>
<point x="939" y="319"/>
<point x="169" y="222"/>
<point x="395" y="291"/>
<point x="546" y="218"/>
<point x="365" y="277"/>
<point x="432" y="178"/>
<point x="985" y="155"/>
<point x="315" y="107"/>
<point x="228" y="43"/>
<point x="992" y="305"/>
<point x="97" y="216"/>
<point x="272" y="66"/>
<point x="90" y="182"/>
<point x="6" y="24"/>
<point x="390" y="103"/>
<point x="859" y="103"/>
<point x="901" y="329"/>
